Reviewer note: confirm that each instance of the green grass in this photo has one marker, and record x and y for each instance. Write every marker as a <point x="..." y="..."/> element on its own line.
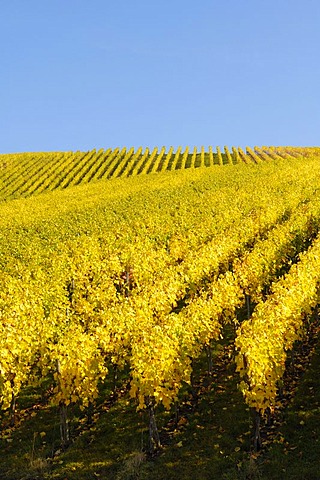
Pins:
<point x="210" y="440"/>
<point x="205" y="439"/>
<point x="295" y="453"/>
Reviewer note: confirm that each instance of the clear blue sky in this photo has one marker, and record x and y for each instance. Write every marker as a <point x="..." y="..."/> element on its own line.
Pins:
<point x="77" y="75"/>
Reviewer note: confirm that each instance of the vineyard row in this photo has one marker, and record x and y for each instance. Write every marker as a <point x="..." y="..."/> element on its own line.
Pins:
<point x="26" y="174"/>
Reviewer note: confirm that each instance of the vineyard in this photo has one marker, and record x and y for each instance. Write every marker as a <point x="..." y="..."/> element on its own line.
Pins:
<point x="25" y="174"/>
<point x="152" y="283"/>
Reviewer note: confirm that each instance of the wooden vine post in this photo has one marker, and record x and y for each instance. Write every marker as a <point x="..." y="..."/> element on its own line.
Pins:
<point x="257" y="444"/>
<point x="154" y="438"/>
<point x="12" y="404"/>
<point x="256" y="418"/>
<point x="63" y="413"/>
<point x="248" y="305"/>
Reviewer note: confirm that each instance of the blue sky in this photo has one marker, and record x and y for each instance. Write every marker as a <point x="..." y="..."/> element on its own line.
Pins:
<point x="77" y="75"/>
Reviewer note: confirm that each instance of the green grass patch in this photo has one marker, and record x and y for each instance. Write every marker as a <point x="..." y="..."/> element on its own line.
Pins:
<point x="210" y="437"/>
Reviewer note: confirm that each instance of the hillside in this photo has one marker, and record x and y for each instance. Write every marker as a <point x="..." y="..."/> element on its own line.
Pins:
<point x="159" y="316"/>
<point x="26" y="174"/>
